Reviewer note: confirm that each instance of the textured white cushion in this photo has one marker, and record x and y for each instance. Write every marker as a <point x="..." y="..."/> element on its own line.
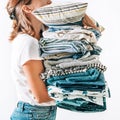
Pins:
<point x="64" y="13"/>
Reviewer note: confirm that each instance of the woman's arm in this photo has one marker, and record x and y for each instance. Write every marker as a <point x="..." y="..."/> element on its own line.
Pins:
<point x="32" y="70"/>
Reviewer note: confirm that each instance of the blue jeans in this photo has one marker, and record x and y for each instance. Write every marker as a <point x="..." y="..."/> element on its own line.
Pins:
<point x="25" y="111"/>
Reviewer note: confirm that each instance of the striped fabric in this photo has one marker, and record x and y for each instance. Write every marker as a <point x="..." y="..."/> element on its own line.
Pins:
<point x="61" y="14"/>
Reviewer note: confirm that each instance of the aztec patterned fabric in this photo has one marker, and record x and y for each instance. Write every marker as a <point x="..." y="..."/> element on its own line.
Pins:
<point x="73" y="73"/>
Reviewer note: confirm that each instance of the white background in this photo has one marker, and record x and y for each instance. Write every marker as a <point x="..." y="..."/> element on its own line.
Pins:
<point x="106" y="12"/>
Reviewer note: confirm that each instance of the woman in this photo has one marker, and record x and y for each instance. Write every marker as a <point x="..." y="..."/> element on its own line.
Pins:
<point x="34" y="102"/>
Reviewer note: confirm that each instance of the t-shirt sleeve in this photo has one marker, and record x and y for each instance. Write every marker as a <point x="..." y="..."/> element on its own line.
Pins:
<point x="30" y="51"/>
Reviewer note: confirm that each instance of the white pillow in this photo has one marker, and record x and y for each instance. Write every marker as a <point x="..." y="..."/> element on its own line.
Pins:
<point x="64" y="13"/>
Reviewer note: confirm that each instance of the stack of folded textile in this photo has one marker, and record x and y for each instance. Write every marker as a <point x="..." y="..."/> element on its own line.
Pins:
<point x="73" y="73"/>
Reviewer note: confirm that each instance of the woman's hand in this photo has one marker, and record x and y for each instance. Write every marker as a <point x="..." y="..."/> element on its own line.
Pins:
<point x="88" y="23"/>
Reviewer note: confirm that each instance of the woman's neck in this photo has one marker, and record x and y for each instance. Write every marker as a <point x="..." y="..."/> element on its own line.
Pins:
<point x="37" y="26"/>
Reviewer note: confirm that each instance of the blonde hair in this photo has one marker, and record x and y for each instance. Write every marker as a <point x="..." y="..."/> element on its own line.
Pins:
<point x="21" y="22"/>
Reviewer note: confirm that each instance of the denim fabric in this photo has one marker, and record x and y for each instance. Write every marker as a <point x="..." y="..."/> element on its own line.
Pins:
<point x="25" y="111"/>
<point x="80" y="105"/>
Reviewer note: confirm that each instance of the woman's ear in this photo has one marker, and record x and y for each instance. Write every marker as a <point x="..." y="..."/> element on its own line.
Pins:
<point x="26" y="9"/>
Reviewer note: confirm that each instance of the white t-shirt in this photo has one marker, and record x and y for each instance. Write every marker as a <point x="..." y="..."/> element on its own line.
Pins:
<point x="24" y="48"/>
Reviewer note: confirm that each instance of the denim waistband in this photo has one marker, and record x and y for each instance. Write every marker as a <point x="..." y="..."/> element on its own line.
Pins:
<point x="26" y="106"/>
